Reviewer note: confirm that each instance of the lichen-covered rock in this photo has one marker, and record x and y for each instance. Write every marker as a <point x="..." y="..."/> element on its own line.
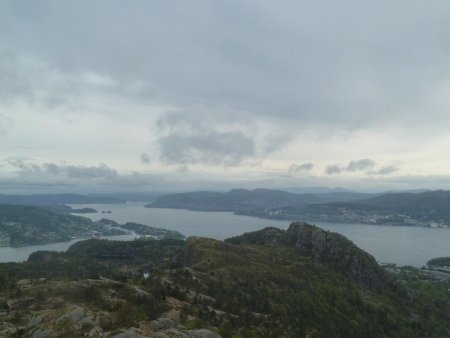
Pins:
<point x="75" y="315"/>
<point x="41" y="333"/>
<point x="161" y="335"/>
<point x="202" y="333"/>
<point x="171" y="333"/>
<point x="161" y="324"/>
<point x="130" y="333"/>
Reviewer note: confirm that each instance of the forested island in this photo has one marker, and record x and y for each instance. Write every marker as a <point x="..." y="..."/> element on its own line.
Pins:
<point x="302" y="282"/>
<point x="30" y="225"/>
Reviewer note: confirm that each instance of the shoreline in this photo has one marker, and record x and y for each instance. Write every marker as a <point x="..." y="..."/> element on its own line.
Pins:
<point x="289" y="219"/>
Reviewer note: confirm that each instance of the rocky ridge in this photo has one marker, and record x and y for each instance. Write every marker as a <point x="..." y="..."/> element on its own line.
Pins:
<point x="327" y="247"/>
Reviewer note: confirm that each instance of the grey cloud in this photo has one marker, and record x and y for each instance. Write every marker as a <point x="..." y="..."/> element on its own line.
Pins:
<point x="386" y="170"/>
<point x="199" y="136"/>
<point x="274" y="141"/>
<point x="69" y="171"/>
<point x="360" y="165"/>
<point x="102" y="171"/>
<point x="23" y="164"/>
<point x="5" y="123"/>
<point x="322" y="62"/>
<point x="183" y="169"/>
<point x="18" y="158"/>
<point x="213" y="148"/>
<point x="333" y="169"/>
<point x="52" y="168"/>
<point x="33" y="80"/>
<point x="225" y="67"/>
<point x="145" y="159"/>
<point x="300" y="168"/>
<point x="352" y="166"/>
<point x="67" y="174"/>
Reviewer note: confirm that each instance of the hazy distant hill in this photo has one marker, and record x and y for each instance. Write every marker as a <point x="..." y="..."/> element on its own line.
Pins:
<point x="129" y="197"/>
<point x="429" y="206"/>
<point x="55" y="199"/>
<point x="421" y="208"/>
<point x="240" y="200"/>
<point x="438" y="200"/>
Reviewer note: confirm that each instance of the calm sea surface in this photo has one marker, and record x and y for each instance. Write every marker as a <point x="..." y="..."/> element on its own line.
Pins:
<point x="401" y="245"/>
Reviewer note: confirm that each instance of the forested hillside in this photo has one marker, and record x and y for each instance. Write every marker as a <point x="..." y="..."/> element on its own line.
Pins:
<point x="303" y="282"/>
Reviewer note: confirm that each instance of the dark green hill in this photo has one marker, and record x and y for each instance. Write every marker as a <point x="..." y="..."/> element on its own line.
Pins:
<point x="327" y="247"/>
<point x="303" y="282"/>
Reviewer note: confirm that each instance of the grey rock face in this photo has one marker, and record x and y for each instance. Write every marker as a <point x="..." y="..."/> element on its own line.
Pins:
<point x="202" y="333"/>
<point x="160" y="335"/>
<point x="42" y="333"/>
<point x="161" y="324"/>
<point x="130" y="333"/>
<point x="337" y="250"/>
<point x="173" y="333"/>
<point x="75" y="315"/>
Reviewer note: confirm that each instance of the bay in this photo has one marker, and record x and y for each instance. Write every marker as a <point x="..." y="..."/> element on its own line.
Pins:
<point x="396" y="244"/>
<point x="20" y="254"/>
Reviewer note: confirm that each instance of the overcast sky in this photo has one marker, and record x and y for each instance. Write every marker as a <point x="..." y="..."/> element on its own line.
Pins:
<point x="166" y="95"/>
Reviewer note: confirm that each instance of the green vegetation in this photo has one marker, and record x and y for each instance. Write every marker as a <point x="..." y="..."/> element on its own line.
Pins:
<point x="433" y="287"/>
<point x="440" y="261"/>
<point x="303" y="282"/>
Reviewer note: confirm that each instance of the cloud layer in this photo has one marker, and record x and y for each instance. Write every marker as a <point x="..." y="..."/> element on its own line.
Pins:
<point x="347" y="64"/>
<point x="229" y="89"/>
<point x="70" y="175"/>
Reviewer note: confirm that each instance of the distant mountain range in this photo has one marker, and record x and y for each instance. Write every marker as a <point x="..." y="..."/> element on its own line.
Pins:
<point x="241" y="200"/>
<point x="56" y="199"/>
<point x="422" y="208"/>
<point x="425" y="208"/>
<point x="428" y="208"/>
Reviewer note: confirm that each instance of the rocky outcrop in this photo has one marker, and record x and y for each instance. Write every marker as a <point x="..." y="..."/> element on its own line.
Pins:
<point x="162" y="324"/>
<point x="338" y="251"/>
<point x="327" y="247"/>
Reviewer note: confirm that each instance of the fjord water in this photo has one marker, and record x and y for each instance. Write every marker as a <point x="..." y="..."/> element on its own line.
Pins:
<point x="396" y="244"/>
<point x="8" y="254"/>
